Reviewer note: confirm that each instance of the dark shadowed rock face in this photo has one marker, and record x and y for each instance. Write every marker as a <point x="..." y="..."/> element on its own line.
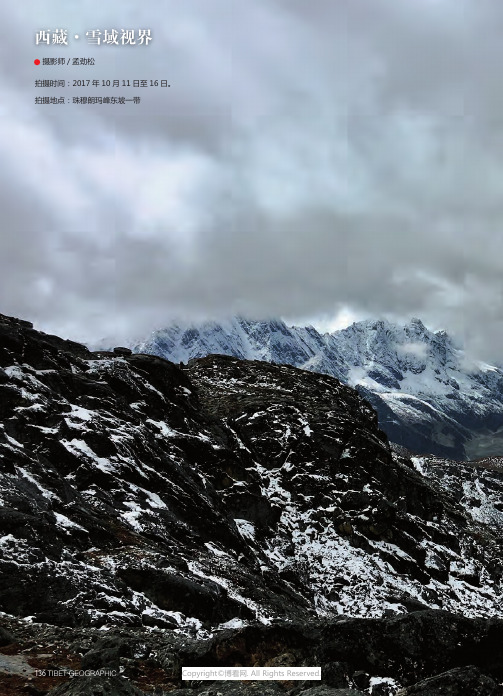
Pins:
<point x="455" y="682"/>
<point x="231" y="494"/>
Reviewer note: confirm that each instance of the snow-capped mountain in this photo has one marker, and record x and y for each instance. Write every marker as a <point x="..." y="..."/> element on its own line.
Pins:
<point x="429" y="397"/>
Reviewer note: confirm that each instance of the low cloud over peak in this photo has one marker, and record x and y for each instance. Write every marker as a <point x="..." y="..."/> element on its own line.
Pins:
<point x="304" y="159"/>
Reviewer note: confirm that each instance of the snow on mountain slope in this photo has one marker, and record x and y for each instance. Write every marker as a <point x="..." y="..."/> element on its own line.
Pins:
<point x="429" y="397"/>
<point x="232" y="512"/>
<point x="134" y="492"/>
<point x="271" y="341"/>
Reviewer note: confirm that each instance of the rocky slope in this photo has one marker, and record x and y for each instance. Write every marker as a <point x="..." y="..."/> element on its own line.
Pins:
<point x="430" y="398"/>
<point x="427" y="653"/>
<point x="233" y="512"/>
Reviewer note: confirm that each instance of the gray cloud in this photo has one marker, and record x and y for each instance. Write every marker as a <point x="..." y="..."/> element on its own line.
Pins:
<point x="307" y="157"/>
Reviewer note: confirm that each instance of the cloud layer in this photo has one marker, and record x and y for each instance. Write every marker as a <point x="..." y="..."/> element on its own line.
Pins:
<point x="307" y="157"/>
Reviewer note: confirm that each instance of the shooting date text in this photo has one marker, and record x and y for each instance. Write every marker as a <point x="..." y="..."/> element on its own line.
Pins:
<point x="120" y="83"/>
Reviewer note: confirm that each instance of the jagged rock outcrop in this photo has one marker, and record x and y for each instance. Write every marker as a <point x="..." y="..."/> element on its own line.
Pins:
<point x="232" y="501"/>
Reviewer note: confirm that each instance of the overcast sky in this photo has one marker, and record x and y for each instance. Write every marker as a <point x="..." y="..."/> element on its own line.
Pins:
<point x="309" y="158"/>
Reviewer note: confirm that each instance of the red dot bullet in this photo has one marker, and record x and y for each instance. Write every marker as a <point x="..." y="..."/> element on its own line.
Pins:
<point x="36" y="61"/>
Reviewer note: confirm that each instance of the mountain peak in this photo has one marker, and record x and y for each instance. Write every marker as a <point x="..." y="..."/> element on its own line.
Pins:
<point x="417" y="324"/>
<point x="426" y="397"/>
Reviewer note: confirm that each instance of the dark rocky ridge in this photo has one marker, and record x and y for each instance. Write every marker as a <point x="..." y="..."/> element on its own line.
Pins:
<point x="143" y="495"/>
